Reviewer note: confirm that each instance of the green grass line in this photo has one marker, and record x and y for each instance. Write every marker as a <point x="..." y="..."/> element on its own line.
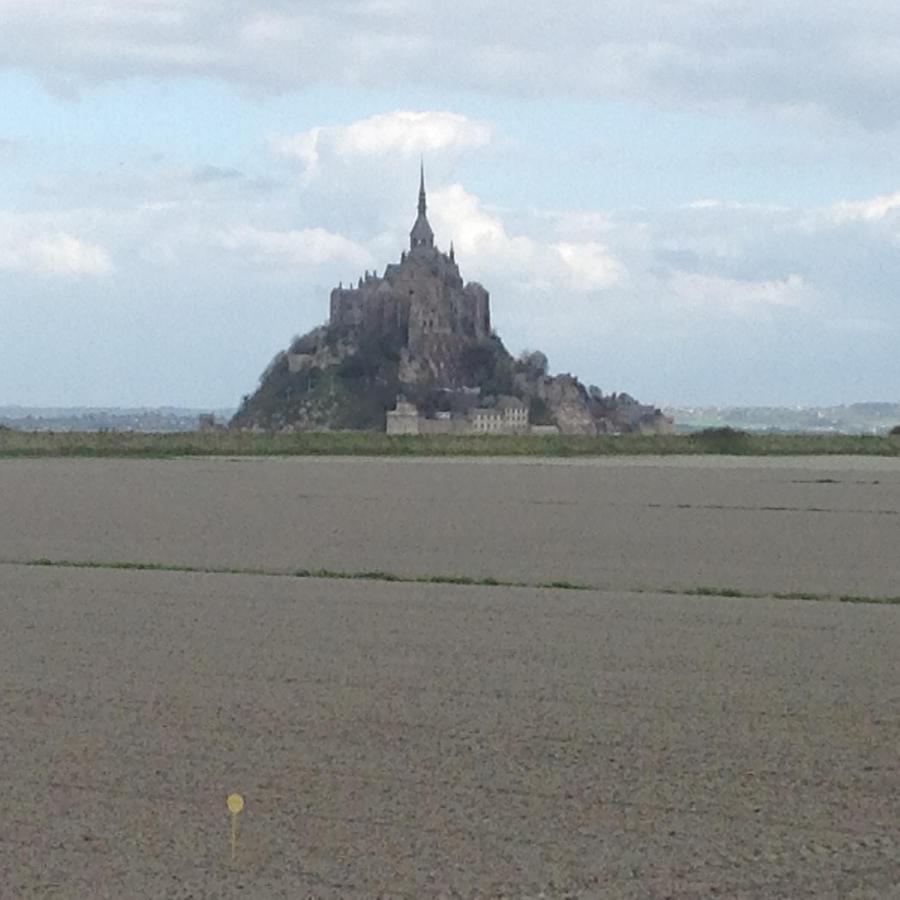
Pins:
<point x="287" y="573"/>
<point x="708" y="591"/>
<point x="135" y="445"/>
<point x="460" y="580"/>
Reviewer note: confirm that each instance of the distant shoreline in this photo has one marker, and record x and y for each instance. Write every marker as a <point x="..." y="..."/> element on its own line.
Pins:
<point x="869" y="418"/>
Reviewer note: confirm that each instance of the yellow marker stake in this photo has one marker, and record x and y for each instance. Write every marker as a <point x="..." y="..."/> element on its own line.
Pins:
<point x="235" y="805"/>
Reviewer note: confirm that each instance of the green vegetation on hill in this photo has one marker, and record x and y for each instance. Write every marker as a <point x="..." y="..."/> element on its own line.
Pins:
<point x="353" y="392"/>
<point x="489" y="366"/>
<point x="354" y="380"/>
<point x="363" y="443"/>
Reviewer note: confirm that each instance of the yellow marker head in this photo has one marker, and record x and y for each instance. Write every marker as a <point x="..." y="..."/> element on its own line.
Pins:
<point x="235" y="803"/>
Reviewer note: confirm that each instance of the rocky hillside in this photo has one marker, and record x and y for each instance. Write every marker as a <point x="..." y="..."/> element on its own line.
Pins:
<point x="334" y="379"/>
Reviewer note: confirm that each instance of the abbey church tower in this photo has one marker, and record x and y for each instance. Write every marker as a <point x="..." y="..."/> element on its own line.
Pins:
<point x="421" y="235"/>
<point x="422" y="300"/>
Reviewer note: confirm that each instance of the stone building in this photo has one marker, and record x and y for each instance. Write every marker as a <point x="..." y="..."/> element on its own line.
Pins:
<point x="404" y="418"/>
<point x="422" y="301"/>
<point x="508" y="416"/>
<point x="515" y="414"/>
<point x="485" y="420"/>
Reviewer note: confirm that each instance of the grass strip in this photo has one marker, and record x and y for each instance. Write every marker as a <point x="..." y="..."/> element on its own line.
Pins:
<point x="461" y="580"/>
<point x="708" y="591"/>
<point x="290" y="573"/>
<point x="138" y="445"/>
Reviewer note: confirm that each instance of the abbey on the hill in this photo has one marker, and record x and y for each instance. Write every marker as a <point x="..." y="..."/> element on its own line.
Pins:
<point x="422" y="299"/>
<point x="412" y="352"/>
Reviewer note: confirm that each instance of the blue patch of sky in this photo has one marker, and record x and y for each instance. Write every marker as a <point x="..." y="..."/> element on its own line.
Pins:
<point x="556" y="154"/>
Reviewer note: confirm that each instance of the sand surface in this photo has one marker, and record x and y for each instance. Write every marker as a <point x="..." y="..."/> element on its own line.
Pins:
<point x="419" y="740"/>
<point x="819" y="525"/>
<point x="423" y="740"/>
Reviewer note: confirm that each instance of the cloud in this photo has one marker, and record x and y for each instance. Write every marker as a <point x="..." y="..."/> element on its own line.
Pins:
<point x="403" y="134"/>
<point x="797" y="57"/>
<point x="292" y="249"/>
<point x="534" y="262"/>
<point x="746" y="298"/>
<point x="873" y="210"/>
<point x="589" y="266"/>
<point x="25" y="246"/>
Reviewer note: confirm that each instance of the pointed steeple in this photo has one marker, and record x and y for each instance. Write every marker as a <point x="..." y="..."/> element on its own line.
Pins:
<point x="421" y="234"/>
<point x="422" y="204"/>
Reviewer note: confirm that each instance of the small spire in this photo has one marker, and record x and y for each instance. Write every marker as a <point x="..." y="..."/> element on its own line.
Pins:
<point x="422" y="204"/>
<point x="421" y="234"/>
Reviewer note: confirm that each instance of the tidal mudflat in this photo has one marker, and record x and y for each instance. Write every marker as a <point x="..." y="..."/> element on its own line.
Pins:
<point x="412" y="739"/>
<point x="821" y="525"/>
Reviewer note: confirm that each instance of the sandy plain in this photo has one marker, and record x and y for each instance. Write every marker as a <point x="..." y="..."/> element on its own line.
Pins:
<point x="424" y="740"/>
<point x="818" y="525"/>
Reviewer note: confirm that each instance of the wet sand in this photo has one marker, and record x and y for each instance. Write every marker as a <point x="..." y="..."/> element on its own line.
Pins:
<point x="424" y="740"/>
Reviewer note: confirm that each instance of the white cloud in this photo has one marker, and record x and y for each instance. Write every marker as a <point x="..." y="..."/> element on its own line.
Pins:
<point x="589" y="265"/>
<point x="405" y="134"/>
<point x="35" y="247"/>
<point x="873" y="210"/>
<point x="477" y="233"/>
<point x="746" y="298"/>
<point x="714" y="203"/>
<point x="292" y="249"/>
<point x="760" y="55"/>
<point x="409" y="133"/>
<point x="63" y="254"/>
<point x="535" y="262"/>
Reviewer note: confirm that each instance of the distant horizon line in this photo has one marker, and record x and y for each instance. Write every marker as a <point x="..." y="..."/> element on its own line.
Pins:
<point x="191" y="408"/>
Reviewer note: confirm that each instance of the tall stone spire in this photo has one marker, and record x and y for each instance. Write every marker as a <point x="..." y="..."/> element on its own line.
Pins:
<point x="421" y="234"/>
<point x="422" y="204"/>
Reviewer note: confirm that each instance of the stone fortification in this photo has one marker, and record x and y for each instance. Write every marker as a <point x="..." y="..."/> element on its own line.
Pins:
<point x="508" y="415"/>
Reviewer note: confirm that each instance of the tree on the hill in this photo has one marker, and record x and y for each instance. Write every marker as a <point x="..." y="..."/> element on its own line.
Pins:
<point x="534" y="362"/>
